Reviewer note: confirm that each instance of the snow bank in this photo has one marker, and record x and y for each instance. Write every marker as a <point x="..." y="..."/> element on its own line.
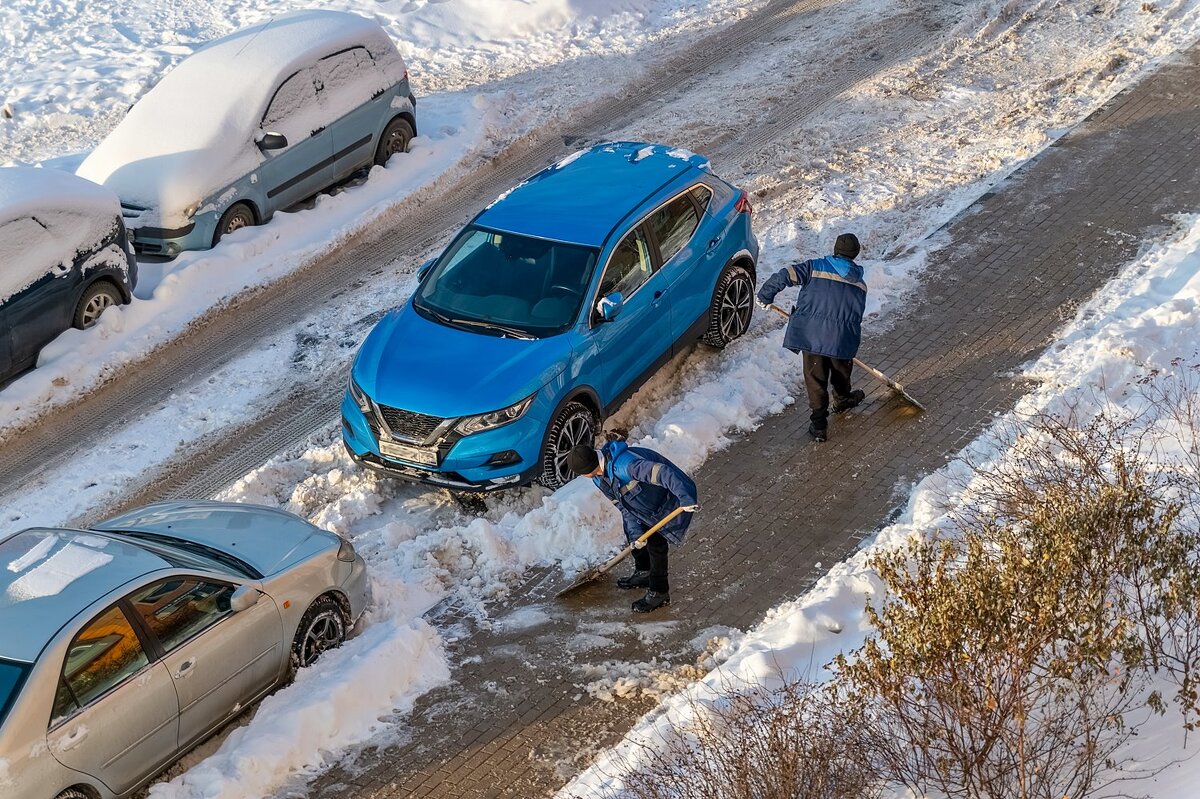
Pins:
<point x="1144" y="321"/>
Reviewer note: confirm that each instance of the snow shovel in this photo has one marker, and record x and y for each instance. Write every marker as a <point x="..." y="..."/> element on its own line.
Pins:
<point x="597" y="571"/>
<point x="871" y="370"/>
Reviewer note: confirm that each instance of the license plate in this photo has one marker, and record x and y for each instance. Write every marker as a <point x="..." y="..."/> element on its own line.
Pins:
<point x="403" y="452"/>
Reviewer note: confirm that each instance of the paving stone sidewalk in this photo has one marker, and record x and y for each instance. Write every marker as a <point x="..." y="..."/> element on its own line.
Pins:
<point x="517" y="721"/>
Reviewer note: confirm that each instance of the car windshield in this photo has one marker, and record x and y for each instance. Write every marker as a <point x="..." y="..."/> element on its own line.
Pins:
<point x="507" y="285"/>
<point x="12" y="674"/>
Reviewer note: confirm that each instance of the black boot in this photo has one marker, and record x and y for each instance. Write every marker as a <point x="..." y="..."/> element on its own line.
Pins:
<point x="853" y="400"/>
<point x="653" y="600"/>
<point x="639" y="579"/>
<point x="818" y="428"/>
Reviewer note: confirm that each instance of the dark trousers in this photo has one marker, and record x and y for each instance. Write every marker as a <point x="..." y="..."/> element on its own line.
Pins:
<point x="653" y="558"/>
<point x="820" y="372"/>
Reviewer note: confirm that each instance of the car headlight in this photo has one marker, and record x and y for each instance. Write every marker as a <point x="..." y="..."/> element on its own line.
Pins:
<point x="360" y="399"/>
<point x="487" y="421"/>
<point x="346" y="552"/>
<point x="190" y="211"/>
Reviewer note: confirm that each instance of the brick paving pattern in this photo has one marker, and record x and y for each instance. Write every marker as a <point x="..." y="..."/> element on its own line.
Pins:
<point x="516" y="723"/>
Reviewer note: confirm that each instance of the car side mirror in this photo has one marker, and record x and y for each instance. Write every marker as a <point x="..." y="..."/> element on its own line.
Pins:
<point x="244" y="597"/>
<point x="424" y="268"/>
<point x="272" y="141"/>
<point x="608" y="307"/>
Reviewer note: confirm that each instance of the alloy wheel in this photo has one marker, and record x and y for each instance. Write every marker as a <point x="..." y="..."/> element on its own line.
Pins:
<point x="96" y="306"/>
<point x="575" y="431"/>
<point x="327" y="630"/>
<point x="736" y="308"/>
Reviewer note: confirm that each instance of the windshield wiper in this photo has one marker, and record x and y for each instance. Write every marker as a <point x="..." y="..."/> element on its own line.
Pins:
<point x="508" y="331"/>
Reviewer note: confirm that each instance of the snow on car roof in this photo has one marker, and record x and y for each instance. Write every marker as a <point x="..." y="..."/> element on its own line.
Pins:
<point x="47" y="577"/>
<point x="194" y="131"/>
<point x="585" y="195"/>
<point x="24" y="191"/>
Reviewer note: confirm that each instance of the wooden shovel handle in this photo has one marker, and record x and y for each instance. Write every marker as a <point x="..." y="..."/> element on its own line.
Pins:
<point x="624" y="553"/>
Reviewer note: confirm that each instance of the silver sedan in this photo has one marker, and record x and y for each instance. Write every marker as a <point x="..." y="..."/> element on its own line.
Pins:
<point x="123" y="646"/>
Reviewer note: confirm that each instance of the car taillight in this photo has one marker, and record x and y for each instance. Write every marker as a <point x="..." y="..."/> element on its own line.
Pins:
<point x="743" y="204"/>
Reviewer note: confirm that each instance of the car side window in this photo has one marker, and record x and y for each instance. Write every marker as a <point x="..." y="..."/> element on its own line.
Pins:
<point x="703" y="195"/>
<point x="28" y="252"/>
<point x="673" y="225"/>
<point x="347" y="80"/>
<point x="103" y="655"/>
<point x="630" y="265"/>
<point x="293" y="110"/>
<point x="178" y="609"/>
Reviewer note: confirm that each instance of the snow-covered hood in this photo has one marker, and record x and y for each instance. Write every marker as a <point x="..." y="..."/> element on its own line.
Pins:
<point x="412" y="363"/>
<point x="270" y="540"/>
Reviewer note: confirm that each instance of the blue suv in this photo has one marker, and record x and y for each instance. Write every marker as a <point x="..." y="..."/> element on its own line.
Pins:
<point x="548" y="311"/>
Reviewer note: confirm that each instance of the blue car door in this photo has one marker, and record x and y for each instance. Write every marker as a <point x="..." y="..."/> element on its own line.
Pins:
<point x="304" y="166"/>
<point x="348" y="80"/>
<point x="639" y="338"/>
<point x="676" y="227"/>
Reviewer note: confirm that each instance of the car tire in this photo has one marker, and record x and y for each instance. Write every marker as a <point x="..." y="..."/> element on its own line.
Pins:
<point x="96" y="299"/>
<point x="72" y="793"/>
<point x="322" y="627"/>
<point x="236" y="217"/>
<point x="575" y="424"/>
<point x="395" y="139"/>
<point x="732" y="306"/>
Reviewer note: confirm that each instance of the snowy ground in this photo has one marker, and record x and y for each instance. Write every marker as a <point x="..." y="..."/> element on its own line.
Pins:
<point x="1144" y="322"/>
<point x="903" y="154"/>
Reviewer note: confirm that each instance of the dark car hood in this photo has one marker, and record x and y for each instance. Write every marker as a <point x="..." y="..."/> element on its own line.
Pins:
<point x="413" y="363"/>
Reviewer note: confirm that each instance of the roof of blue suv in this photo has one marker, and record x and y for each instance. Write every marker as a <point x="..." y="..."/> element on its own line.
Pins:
<point x="582" y="198"/>
<point x="47" y="577"/>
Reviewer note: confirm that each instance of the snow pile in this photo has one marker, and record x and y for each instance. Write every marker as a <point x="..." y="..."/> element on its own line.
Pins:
<point x="1143" y="322"/>
<point x="613" y="680"/>
<point x="334" y="703"/>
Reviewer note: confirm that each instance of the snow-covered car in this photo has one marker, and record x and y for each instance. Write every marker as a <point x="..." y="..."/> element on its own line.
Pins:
<point x="253" y="123"/>
<point x="123" y="646"/>
<point x="64" y="259"/>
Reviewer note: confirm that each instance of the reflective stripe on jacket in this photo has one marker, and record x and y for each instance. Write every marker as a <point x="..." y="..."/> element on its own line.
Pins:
<point x="645" y="487"/>
<point x="827" y="318"/>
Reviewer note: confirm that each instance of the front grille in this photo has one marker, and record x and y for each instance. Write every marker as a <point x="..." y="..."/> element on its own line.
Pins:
<point x="410" y="425"/>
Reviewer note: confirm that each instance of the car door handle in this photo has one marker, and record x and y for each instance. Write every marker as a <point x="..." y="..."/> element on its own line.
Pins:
<point x="714" y="242"/>
<point x="185" y="668"/>
<point x="658" y="294"/>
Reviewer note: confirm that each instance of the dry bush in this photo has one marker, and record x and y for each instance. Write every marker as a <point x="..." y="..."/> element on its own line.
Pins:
<point x="1014" y="654"/>
<point x="800" y="741"/>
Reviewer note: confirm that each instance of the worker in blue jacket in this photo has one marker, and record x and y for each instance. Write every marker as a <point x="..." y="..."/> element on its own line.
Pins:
<point x="825" y="325"/>
<point x="645" y="487"/>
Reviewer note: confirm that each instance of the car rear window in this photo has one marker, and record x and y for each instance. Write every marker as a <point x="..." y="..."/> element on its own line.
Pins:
<point x="12" y="676"/>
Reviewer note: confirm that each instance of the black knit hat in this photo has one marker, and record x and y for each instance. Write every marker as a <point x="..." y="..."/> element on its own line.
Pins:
<point x="582" y="459"/>
<point x="846" y="246"/>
